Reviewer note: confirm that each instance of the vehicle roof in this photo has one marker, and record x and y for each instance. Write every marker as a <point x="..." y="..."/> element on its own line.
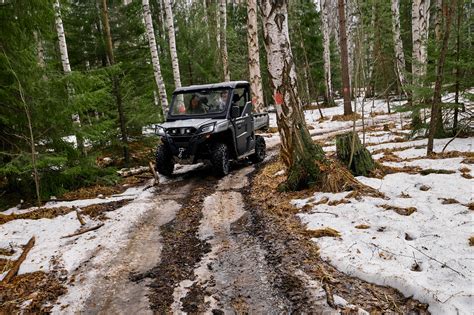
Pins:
<point x="230" y="85"/>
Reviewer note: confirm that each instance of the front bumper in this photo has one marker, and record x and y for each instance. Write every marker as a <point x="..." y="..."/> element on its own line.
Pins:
<point x="186" y="148"/>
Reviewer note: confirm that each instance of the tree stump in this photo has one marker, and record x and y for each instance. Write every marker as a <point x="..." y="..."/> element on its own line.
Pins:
<point x="362" y="162"/>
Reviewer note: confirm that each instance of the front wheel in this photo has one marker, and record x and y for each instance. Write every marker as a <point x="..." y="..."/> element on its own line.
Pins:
<point x="260" y="150"/>
<point x="164" y="160"/>
<point x="220" y="159"/>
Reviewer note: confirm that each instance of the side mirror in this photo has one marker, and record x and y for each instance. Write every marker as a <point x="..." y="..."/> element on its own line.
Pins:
<point x="235" y="111"/>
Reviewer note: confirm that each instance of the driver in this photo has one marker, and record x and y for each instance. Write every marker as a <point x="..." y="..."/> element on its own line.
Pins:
<point x="195" y="106"/>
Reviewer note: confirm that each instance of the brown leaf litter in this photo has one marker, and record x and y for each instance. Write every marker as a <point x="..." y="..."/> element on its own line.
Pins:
<point x="471" y="241"/>
<point x="324" y="232"/>
<point x="401" y="211"/>
<point x="343" y="117"/>
<point x="49" y="213"/>
<point x="39" y="289"/>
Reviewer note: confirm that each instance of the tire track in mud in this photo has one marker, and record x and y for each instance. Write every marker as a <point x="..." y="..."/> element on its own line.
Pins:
<point x="182" y="249"/>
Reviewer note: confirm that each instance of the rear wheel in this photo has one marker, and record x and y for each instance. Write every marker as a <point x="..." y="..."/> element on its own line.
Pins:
<point x="220" y="159"/>
<point x="260" y="150"/>
<point x="164" y="160"/>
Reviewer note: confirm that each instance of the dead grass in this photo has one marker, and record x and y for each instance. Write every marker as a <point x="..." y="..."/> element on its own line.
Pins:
<point x="93" y="192"/>
<point x="5" y="264"/>
<point x="362" y="226"/>
<point x="338" y="202"/>
<point x="98" y="210"/>
<point x="433" y="171"/>
<point x="468" y="160"/>
<point x="346" y="117"/>
<point x="272" y="130"/>
<point x="7" y="251"/>
<point x="40" y="289"/>
<point x="324" y="232"/>
<point x="401" y="211"/>
<point x="49" y="213"/>
<point x="448" y="201"/>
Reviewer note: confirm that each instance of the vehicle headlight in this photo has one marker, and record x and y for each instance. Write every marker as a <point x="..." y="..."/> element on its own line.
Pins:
<point x="207" y="128"/>
<point x="160" y="131"/>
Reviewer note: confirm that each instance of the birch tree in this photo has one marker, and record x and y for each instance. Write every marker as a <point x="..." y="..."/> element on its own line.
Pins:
<point x="254" y="56"/>
<point x="420" y="26"/>
<point x="160" y="83"/>
<point x="61" y="38"/>
<point x="298" y="151"/>
<point x="346" y="89"/>
<point x="397" y="40"/>
<point x="223" y="39"/>
<point x="172" y="42"/>
<point x="325" y="16"/>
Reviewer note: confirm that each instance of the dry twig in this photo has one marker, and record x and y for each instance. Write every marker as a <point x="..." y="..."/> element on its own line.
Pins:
<point x="16" y="265"/>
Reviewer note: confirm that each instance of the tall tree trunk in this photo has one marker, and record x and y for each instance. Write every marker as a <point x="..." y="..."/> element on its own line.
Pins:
<point x="438" y="19"/>
<point x="351" y="26"/>
<point x="160" y="83"/>
<point x="298" y="151"/>
<point x="436" y="120"/>
<point x="370" y="58"/>
<point x="254" y="56"/>
<point x="61" y="38"/>
<point x="458" y="70"/>
<point x="346" y="89"/>
<point x="325" y="14"/>
<point x="172" y="42"/>
<point x="223" y="37"/>
<point x="39" y="50"/>
<point x="420" y="27"/>
<point x="115" y="80"/>
<point x="397" y="40"/>
<point x="218" y="25"/>
<point x="206" y="22"/>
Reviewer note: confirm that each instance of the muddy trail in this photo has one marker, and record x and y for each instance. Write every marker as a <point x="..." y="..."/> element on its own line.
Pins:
<point x="209" y="247"/>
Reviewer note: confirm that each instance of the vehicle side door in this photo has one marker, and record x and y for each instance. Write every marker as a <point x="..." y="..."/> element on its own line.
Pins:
<point x="244" y="131"/>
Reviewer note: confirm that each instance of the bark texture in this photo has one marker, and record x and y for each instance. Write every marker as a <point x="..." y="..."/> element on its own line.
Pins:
<point x="397" y="40"/>
<point x="160" y="83"/>
<point x="436" y="123"/>
<point x="254" y="56"/>
<point x="61" y="38"/>
<point x="325" y="17"/>
<point x="223" y="39"/>
<point x="298" y="151"/>
<point x="172" y="42"/>
<point x="346" y="89"/>
<point x="420" y="25"/>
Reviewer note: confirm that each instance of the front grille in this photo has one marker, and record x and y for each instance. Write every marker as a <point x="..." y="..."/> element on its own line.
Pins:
<point x="184" y="131"/>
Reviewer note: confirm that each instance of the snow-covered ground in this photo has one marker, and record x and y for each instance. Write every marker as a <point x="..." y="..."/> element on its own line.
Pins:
<point x="426" y="254"/>
<point x="53" y="251"/>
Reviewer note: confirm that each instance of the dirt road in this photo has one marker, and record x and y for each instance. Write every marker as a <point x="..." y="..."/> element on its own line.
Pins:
<point x="204" y="248"/>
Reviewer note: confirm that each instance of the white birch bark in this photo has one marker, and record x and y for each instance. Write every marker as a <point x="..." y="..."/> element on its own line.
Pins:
<point x="172" y="42"/>
<point x="223" y="37"/>
<point x="61" y="38"/>
<point x="351" y="26"/>
<point x="160" y="83"/>
<point x="325" y="16"/>
<point x="397" y="40"/>
<point x="283" y="79"/>
<point x="254" y="56"/>
<point x="437" y="19"/>
<point x="218" y="26"/>
<point x="420" y="27"/>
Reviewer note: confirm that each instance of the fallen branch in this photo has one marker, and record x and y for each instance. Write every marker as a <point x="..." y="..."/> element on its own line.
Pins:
<point x="455" y="136"/>
<point x="152" y="170"/>
<point x="84" y="231"/>
<point x="439" y="262"/>
<point x="329" y="296"/>
<point x="133" y="171"/>
<point x="79" y="217"/>
<point x="16" y="265"/>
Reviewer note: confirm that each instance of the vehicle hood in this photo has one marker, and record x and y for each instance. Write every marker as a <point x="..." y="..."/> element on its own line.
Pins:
<point x="196" y="123"/>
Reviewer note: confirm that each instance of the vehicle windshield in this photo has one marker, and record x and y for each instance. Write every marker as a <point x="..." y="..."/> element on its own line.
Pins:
<point x="199" y="102"/>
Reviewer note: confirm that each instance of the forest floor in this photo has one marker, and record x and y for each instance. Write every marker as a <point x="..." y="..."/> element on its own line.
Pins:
<point x="198" y="244"/>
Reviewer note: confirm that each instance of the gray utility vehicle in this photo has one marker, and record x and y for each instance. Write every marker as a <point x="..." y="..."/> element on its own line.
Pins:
<point x="210" y="122"/>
